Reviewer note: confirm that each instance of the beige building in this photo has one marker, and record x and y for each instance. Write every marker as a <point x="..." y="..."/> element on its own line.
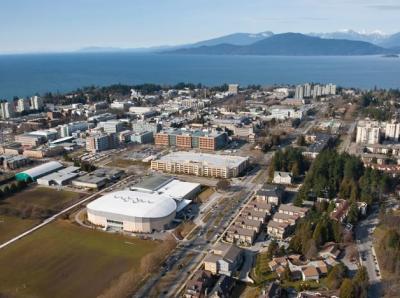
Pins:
<point x="201" y="164"/>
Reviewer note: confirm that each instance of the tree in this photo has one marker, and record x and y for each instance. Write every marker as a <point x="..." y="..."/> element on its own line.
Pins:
<point x="311" y="249"/>
<point x="352" y="217"/>
<point x="347" y="289"/>
<point x="301" y="141"/>
<point x="272" y="249"/>
<point x="335" y="276"/>
<point x="360" y="283"/>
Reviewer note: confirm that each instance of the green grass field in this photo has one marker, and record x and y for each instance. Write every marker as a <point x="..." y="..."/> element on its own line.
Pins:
<point x="64" y="260"/>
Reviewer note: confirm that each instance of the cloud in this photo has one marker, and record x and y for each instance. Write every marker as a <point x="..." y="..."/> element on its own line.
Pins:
<point x="385" y="7"/>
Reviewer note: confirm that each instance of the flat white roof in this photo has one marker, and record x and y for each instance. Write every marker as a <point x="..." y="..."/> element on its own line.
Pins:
<point x="43" y="169"/>
<point x="217" y="160"/>
<point x="178" y="189"/>
<point x="134" y="204"/>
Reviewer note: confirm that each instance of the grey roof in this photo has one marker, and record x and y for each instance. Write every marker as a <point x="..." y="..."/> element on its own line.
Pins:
<point x="153" y="183"/>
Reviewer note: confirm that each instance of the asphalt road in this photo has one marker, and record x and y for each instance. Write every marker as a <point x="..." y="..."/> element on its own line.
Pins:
<point x="363" y="233"/>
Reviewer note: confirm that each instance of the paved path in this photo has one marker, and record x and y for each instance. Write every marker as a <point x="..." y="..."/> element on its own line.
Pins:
<point x="363" y="233"/>
<point x="52" y="218"/>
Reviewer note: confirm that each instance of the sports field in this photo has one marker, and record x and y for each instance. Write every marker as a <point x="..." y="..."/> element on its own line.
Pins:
<point x="64" y="260"/>
<point x="41" y="198"/>
<point x="11" y="226"/>
<point x="27" y="208"/>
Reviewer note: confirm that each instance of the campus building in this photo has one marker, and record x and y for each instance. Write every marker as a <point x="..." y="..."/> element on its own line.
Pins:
<point x="201" y="164"/>
<point x="187" y="139"/>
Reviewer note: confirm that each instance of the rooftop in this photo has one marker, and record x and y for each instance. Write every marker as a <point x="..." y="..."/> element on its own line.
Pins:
<point x="135" y="204"/>
<point x="229" y="161"/>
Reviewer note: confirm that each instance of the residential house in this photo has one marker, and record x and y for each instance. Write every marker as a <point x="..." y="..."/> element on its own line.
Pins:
<point x="278" y="230"/>
<point x="270" y="193"/>
<point x="223" y="259"/>
<point x="292" y="210"/>
<point x="223" y="288"/>
<point x="329" y="250"/>
<point x="282" y="178"/>
<point x="199" y="285"/>
<point x="240" y="236"/>
<point x="309" y="273"/>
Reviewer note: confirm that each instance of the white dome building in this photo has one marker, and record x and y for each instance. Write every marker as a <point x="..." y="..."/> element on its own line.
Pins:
<point x="133" y="211"/>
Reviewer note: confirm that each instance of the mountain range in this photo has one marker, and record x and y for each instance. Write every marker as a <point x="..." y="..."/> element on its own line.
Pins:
<point x="291" y="44"/>
<point x="344" y="42"/>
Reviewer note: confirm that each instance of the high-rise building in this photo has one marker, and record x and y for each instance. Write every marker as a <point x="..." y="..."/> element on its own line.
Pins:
<point x="36" y="103"/>
<point x="368" y="132"/>
<point x="299" y="93"/>
<point x="307" y="90"/>
<point x="22" y="105"/>
<point x="6" y="110"/>
<point x="392" y="131"/>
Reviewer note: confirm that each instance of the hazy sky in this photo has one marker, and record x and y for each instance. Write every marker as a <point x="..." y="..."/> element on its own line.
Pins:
<point x="61" y="25"/>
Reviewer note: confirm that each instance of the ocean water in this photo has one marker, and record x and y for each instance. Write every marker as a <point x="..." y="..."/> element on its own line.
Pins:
<point x="25" y="75"/>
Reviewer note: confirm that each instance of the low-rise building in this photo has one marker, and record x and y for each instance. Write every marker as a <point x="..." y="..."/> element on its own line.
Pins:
<point x="282" y="178"/>
<point x="223" y="259"/>
<point x="201" y="164"/>
<point x="240" y="236"/>
<point x="271" y="194"/>
<point x="199" y="285"/>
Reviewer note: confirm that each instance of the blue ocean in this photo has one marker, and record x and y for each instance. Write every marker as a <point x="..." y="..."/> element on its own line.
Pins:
<point x="25" y="75"/>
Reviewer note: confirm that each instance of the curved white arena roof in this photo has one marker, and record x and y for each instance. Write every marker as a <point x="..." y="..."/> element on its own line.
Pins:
<point x="43" y="169"/>
<point x="134" y="204"/>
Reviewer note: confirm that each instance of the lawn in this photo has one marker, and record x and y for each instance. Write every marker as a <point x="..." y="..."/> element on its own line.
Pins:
<point x="64" y="260"/>
<point x="10" y="226"/>
<point x="41" y="198"/>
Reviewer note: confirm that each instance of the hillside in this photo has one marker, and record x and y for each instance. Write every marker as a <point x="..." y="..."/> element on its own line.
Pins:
<point x="290" y="44"/>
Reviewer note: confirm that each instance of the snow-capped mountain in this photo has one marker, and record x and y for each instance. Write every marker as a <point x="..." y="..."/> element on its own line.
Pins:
<point x="375" y="37"/>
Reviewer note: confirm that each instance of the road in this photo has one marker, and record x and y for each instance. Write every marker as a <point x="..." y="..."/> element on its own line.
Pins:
<point x="54" y="217"/>
<point x="224" y="210"/>
<point x="363" y="233"/>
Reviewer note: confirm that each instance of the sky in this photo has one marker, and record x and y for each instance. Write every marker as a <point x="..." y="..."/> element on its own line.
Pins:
<point x="67" y="25"/>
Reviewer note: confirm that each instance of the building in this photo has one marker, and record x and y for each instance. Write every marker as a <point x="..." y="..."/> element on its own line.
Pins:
<point x="22" y="105"/>
<point x="59" y="178"/>
<point x="309" y="273"/>
<point x="132" y="211"/>
<point x="240" y="236"/>
<point x="368" y="132"/>
<point x="112" y="126"/>
<point x="186" y="139"/>
<point x="233" y="89"/>
<point x="292" y="210"/>
<point x="392" y="131"/>
<point x="30" y="139"/>
<point x="284" y="113"/>
<point x="199" y="285"/>
<point x="282" y="178"/>
<point x="223" y="259"/>
<point x="270" y="193"/>
<point x="223" y="288"/>
<point x="279" y="230"/>
<point x="90" y="181"/>
<point x="101" y="142"/>
<point x="12" y="162"/>
<point x="36" y="103"/>
<point x="143" y="126"/>
<point x="299" y="92"/>
<point x="145" y="137"/>
<point x="201" y="164"/>
<point x="34" y="173"/>
<point x="6" y="110"/>
<point x="68" y="129"/>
